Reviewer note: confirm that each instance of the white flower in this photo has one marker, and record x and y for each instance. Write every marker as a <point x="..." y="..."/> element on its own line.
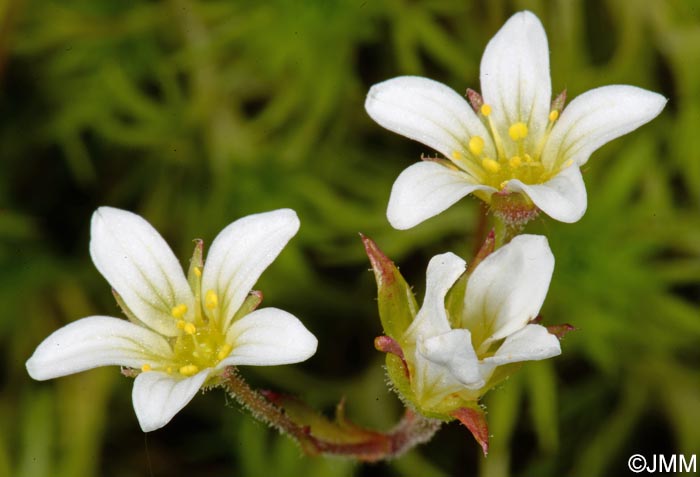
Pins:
<point x="504" y="293"/>
<point x="518" y="142"/>
<point x="184" y="331"/>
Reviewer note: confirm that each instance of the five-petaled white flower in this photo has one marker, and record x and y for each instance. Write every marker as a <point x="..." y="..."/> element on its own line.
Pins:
<point x="455" y="354"/>
<point x="183" y="330"/>
<point x="517" y="142"/>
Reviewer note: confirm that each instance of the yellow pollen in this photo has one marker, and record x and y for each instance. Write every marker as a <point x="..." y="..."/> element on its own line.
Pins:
<point x="197" y="271"/>
<point x="456" y="155"/>
<point x="179" y="310"/>
<point x="181" y="324"/>
<point x="146" y="367"/>
<point x="211" y="300"/>
<point x="491" y="165"/>
<point x="476" y="145"/>
<point x="169" y="370"/>
<point x="485" y="109"/>
<point x="189" y="370"/>
<point x="189" y="328"/>
<point x="224" y="351"/>
<point x="554" y="115"/>
<point x="517" y="131"/>
<point x="528" y="158"/>
<point x="515" y="162"/>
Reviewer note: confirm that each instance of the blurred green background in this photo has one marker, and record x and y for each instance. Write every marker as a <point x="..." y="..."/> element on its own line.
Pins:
<point x="196" y="113"/>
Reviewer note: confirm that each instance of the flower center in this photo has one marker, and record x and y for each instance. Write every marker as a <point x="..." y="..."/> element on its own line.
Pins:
<point x="523" y="163"/>
<point x="201" y="343"/>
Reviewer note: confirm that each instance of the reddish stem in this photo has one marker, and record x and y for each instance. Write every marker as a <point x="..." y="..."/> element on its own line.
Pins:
<point x="363" y="444"/>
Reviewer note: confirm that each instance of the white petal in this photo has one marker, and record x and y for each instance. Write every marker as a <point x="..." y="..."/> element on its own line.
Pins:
<point x="531" y="343"/>
<point x="428" y="112"/>
<point x="140" y="266"/>
<point x="454" y="352"/>
<point x="597" y="117"/>
<point x="96" y="341"/>
<point x="425" y="189"/>
<point x="159" y="396"/>
<point x="269" y="337"/>
<point x="507" y="289"/>
<point x="241" y="252"/>
<point x="515" y="78"/>
<point x="431" y="320"/>
<point x="563" y="197"/>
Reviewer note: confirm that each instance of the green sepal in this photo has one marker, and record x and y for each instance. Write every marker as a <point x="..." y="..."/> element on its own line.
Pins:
<point x="250" y="304"/>
<point x="396" y="371"/>
<point x="397" y="305"/>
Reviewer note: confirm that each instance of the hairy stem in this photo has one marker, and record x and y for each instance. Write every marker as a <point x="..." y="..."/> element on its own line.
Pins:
<point x="344" y="438"/>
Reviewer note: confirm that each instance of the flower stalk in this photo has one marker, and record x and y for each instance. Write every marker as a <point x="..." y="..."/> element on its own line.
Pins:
<point x="318" y="435"/>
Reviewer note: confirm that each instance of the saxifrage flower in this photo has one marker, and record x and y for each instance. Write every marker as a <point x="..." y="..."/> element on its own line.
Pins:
<point x="513" y="139"/>
<point x="183" y="330"/>
<point x="459" y="352"/>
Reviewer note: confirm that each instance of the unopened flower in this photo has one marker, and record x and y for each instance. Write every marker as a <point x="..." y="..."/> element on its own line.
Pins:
<point x="183" y="331"/>
<point x="457" y="351"/>
<point x="513" y="139"/>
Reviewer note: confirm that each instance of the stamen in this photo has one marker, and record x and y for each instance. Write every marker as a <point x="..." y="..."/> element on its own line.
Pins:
<point x="197" y="271"/>
<point x="169" y="370"/>
<point x="456" y="155"/>
<point x="568" y="163"/>
<point x="146" y="367"/>
<point x="554" y="115"/>
<point x="181" y="324"/>
<point x="476" y="145"/>
<point x="224" y="351"/>
<point x="189" y="370"/>
<point x="211" y="300"/>
<point x="490" y="165"/>
<point x="189" y="328"/>
<point x="485" y="110"/>
<point x="515" y="162"/>
<point x="528" y="158"/>
<point x="518" y="131"/>
<point x="179" y="311"/>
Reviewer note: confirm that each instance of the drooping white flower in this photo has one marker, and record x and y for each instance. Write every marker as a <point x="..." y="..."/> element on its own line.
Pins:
<point x="517" y="142"/>
<point x="184" y="330"/>
<point x="505" y="292"/>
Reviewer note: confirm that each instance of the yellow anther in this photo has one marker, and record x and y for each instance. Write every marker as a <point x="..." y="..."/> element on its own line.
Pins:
<point x="179" y="310"/>
<point x="515" y="161"/>
<point x="490" y="165"/>
<point x="456" y="155"/>
<point x="211" y="300"/>
<point x="554" y="115"/>
<point x="503" y="185"/>
<point x="527" y="158"/>
<point x="485" y="109"/>
<point x="476" y="145"/>
<point x="224" y="351"/>
<point x="146" y="367"/>
<point x="197" y="271"/>
<point x="189" y="370"/>
<point x="169" y="370"/>
<point x="181" y="324"/>
<point x="189" y="328"/>
<point x="517" y="131"/>
<point x="569" y="163"/>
